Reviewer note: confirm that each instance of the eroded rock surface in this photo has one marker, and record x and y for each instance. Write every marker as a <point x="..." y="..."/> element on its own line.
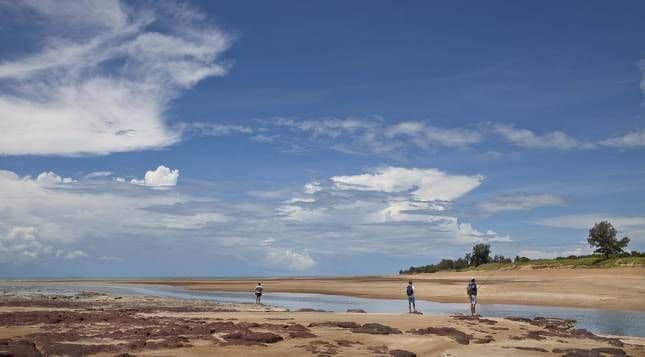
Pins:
<point x="459" y="336"/>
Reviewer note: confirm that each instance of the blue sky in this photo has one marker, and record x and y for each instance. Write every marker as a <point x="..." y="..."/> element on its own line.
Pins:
<point x="172" y="138"/>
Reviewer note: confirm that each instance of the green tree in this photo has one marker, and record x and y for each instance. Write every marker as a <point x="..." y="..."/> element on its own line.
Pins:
<point x="603" y="237"/>
<point x="481" y="254"/>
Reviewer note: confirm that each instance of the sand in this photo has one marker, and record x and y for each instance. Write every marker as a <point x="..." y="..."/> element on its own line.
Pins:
<point x="615" y="288"/>
<point x="109" y="326"/>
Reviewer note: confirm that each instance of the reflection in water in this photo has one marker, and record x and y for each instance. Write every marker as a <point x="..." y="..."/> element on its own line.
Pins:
<point x="627" y="323"/>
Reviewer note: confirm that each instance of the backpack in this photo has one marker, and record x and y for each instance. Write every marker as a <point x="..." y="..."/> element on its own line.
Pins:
<point x="409" y="290"/>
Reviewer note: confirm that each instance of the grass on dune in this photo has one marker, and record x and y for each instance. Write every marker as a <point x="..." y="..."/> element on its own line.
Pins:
<point x="582" y="262"/>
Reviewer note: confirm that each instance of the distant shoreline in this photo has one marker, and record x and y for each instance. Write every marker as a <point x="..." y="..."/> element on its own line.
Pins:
<point x="608" y="288"/>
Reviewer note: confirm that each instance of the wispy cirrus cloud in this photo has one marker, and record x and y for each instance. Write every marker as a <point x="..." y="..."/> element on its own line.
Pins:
<point x="527" y="139"/>
<point x="586" y="221"/>
<point x="105" y="76"/>
<point x="629" y="140"/>
<point x="427" y="136"/>
<point x="375" y="136"/>
<point x="519" y="202"/>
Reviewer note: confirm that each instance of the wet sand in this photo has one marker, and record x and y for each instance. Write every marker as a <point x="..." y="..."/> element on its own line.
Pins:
<point x="96" y="324"/>
<point x="616" y="288"/>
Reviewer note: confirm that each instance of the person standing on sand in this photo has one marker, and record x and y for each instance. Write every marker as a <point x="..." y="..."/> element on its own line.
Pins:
<point x="258" y="293"/>
<point x="409" y="290"/>
<point x="471" y="290"/>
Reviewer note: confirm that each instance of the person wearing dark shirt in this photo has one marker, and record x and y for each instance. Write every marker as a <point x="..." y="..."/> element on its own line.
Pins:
<point x="472" y="295"/>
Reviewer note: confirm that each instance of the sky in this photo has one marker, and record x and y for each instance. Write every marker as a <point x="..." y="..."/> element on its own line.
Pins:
<point x="314" y="138"/>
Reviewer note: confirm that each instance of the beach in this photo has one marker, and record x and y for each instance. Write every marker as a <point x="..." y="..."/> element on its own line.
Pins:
<point x="66" y="317"/>
<point x="613" y="289"/>
<point x="104" y="325"/>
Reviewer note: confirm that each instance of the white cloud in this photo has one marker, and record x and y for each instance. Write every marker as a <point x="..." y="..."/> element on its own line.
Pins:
<point x="586" y="221"/>
<point x="529" y="140"/>
<point x="299" y="213"/>
<point x="467" y="233"/>
<point x="110" y="218"/>
<point x="75" y="254"/>
<point x="400" y="211"/>
<point x="327" y="127"/>
<point x="426" y="136"/>
<point x="51" y="179"/>
<point x="289" y="259"/>
<point x="373" y="136"/>
<point x="25" y="244"/>
<point x="400" y="206"/>
<point x="160" y="177"/>
<point x="22" y="244"/>
<point x="312" y="187"/>
<point x="104" y="78"/>
<point x="98" y="174"/>
<point x="38" y="219"/>
<point x="212" y="129"/>
<point x="424" y="184"/>
<point x="175" y="221"/>
<point x="520" y="202"/>
<point x="262" y="138"/>
<point x="629" y="140"/>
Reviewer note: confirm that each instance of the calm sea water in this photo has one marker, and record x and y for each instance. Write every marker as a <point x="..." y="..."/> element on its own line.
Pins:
<point x="612" y="322"/>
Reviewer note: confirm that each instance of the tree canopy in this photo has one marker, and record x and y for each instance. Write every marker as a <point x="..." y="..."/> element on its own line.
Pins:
<point x="603" y="237"/>
<point x="481" y="254"/>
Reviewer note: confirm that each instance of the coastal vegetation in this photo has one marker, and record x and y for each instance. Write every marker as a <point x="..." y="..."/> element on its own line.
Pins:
<point x="609" y="252"/>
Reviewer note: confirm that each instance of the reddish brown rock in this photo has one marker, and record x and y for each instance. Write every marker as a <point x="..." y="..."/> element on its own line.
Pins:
<point x="460" y="337"/>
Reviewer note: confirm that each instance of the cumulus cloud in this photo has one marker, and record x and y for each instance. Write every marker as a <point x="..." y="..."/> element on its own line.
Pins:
<point x="424" y="184"/>
<point x="289" y="259"/>
<point x="51" y="179"/>
<point x="529" y="140"/>
<point x="160" y="177"/>
<point x="22" y="243"/>
<point x="520" y="202"/>
<point x="629" y="140"/>
<point x="37" y="220"/>
<point x="104" y="79"/>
